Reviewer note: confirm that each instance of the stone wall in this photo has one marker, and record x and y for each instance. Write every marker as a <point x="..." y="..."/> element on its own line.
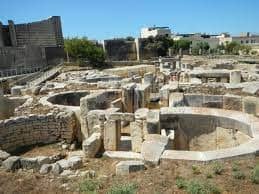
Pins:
<point x="31" y="44"/>
<point x="20" y="132"/>
<point x="120" y="50"/>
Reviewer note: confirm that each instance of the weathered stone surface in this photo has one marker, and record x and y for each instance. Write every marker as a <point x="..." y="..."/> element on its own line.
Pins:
<point x="176" y="99"/>
<point x="56" y="169"/>
<point x="128" y="97"/>
<point x="141" y="96"/>
<point x="250" y="105"/>
<point x="232" y="102"/>
<point x="95" y="118"/>
<point x="4" y="155"/>
<point x="111" y="135"/>
<point x="153" y="147"/>
<point x="41" y="160"/>
<point x="92" y="145"/>
<point x="136" y="132"/>
<point x="29" y="163"/>
<point x="126" y="167"/>
<point x="123" y="155"/>
<point x="235" y="77"/>
<point x="75" y="162"/>
<point x="141" y="113"/>
<point x="12" y="163"/>
<point x="153" y="122"/>
<point x="45" y="168"/>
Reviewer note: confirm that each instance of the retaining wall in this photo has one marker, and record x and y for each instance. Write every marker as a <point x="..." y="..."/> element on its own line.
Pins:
<point x="19" y="132"/>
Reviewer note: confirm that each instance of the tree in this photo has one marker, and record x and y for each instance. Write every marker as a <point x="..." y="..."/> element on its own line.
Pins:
<point x="158" y="45"/>
<point x="182" y="44"/>
<point x="234" y="48"/>
<point x="81" y="49"/>
<point x="203" y="46"/>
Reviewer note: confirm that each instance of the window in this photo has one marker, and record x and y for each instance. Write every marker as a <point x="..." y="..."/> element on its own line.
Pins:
<point x="242" y="42"/>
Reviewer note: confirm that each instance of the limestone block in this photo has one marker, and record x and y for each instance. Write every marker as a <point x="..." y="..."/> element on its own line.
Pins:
<point x="4" y="155"/>
<point x="128" y="97"/>
<point x="16" y="90"/>
<point x="251" y="105"/>
<point x="176" y="99"/>
<point x="153" y="122"/>
<point x="141" y="96"/>
<point x="56" y="169"/>
<point x="152" y="149"/>
<point x="193" y="100"/>
<point x="232" y="102"/>
<point x="29" y="163"/>
<point x="126" y="167"/>
<point x="45" y="168"/>
<point x="92" y="145"/>
<point x="12" y="163"/>
<point x="212" y="101"/>
<point x="141" y="114"/>
<point x="95" y="118"/>
<point x="136" y="132"/>
<point x="111" y="135"/>
<point x="235" y="77"/>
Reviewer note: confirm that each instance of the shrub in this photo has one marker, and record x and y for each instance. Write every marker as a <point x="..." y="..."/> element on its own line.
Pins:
<point x="196" y="187"/>
<point x="196" y="170"/>
<point x="235" y="167"/>
<point x="209" y="176"/>
<point x="89" y="186"/>
<point x="130" y="188"/>
<point x="255" y="175"/>
<point x="181" y="183"/>
<point x="217" y="168"/>
<point x="239" y="175"/>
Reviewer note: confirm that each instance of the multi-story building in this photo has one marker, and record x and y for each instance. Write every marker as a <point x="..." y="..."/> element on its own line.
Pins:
<point x="155" y="31"/>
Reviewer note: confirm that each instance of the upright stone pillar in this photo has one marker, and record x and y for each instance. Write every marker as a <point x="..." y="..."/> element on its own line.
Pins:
<point x="12" y="33"/>
<point x="153" y="122"/>
<point x="111" y="135"/>
<point x="128" y="97"/>
<point x="235" y="77"/>
<point x="141" y="96"/>
<point x="1" y="35"/>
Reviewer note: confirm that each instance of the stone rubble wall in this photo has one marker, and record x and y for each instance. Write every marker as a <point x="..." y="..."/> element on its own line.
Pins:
<point x="18" y="132"/>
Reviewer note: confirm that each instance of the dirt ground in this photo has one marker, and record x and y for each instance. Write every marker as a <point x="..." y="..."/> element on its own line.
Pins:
<point x="161" y="179"/>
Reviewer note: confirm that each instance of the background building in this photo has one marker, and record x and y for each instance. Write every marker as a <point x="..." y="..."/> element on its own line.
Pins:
<point x="155" y="31"/>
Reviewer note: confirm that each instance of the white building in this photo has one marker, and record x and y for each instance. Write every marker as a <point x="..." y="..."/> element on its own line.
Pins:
<point x="155" y="31"/>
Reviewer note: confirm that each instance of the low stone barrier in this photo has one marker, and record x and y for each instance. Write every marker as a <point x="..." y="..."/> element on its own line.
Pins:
<point x="19" y="132"/>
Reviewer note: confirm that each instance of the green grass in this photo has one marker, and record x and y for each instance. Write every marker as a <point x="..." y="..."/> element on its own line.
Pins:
<point x="89" y="186"/>
<point x="129" y="188"/>
<point x="239" y="175"/>
<point x="181" y="183"/>
<point x="196" y="170"/>
<point x="217" y="168"/>
<point x="196" y="187"/>
<point x="255" y="175"/>
<point x="235" y="167"/>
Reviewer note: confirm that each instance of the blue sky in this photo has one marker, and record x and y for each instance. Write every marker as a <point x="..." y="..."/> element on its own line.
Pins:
<point x="103" y="19"/>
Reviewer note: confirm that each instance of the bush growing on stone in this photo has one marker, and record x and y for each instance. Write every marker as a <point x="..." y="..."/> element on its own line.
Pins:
<point x="129" y="188"/>
<point x="239" y="175"/>
<point x="255" y="175"/>
<point x="217" y="168"/>
<point x="181" y="183"/>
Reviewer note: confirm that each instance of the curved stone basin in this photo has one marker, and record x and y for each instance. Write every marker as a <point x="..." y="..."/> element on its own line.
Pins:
<point x="198" y="121"/>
